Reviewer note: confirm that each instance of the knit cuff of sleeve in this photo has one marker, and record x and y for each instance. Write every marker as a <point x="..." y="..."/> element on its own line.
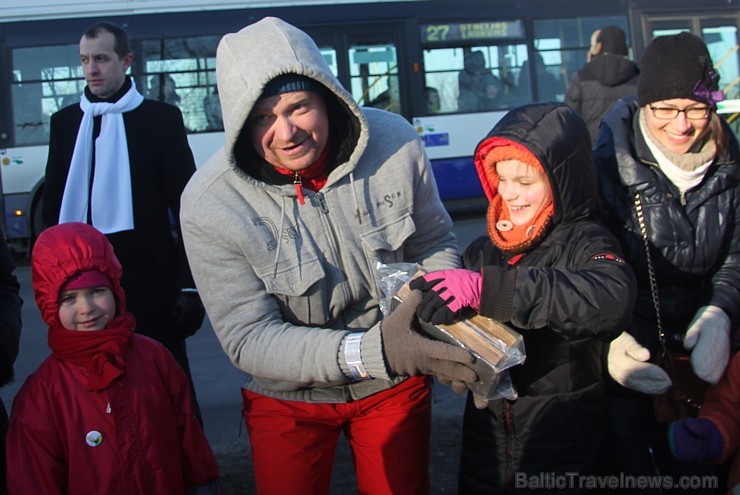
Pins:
<point x="371" y="360"/>
<point x="497" y="293"/>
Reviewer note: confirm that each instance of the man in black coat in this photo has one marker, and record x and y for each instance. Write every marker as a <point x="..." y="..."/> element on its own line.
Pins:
<point x="606" y="77"/>
<point x="10" y="335"/>
<point x="120" y="162"/>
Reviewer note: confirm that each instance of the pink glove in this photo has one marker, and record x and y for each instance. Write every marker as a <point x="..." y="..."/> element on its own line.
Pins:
<point x="453" y="291"/>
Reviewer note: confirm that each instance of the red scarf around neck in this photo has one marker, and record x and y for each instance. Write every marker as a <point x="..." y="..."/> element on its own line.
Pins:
<point x="101" y="353"/>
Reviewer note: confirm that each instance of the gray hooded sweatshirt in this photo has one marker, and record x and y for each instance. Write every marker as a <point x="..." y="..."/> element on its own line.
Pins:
<point x="284" y="283"/>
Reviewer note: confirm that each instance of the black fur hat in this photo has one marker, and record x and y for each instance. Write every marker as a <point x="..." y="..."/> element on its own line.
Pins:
<point x="677" y="66"/>
<point x="613" y="40"/>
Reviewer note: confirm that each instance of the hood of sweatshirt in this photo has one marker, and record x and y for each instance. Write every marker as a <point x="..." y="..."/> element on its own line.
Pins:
<point x="247" y="60"/>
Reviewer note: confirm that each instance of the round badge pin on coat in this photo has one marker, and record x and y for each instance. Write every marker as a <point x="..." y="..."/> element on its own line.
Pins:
<point x="94" y="438"/>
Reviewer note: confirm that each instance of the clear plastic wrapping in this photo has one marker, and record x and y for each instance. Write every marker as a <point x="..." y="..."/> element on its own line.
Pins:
<point x="495" y="346"/>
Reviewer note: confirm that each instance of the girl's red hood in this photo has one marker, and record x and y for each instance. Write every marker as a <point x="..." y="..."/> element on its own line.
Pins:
<point x="64" y="250"/>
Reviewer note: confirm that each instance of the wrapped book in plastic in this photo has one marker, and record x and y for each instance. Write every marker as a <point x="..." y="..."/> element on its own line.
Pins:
<point x="496" y="346"/>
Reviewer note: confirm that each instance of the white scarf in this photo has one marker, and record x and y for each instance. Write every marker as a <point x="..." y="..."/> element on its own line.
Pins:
<point x="111" y="201"/>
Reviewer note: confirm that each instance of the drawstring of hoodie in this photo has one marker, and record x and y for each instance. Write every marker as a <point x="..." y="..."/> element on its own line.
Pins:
<point x="354" y="197"/>
<point x="279" y="235"/>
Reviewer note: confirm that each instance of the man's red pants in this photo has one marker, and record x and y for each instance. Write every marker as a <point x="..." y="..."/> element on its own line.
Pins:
<point x="293" y="443"/>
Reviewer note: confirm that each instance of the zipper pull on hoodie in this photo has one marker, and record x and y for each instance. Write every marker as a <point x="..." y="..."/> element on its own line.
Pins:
<point x="298" y="181"/>
<point x="316" y="175"/>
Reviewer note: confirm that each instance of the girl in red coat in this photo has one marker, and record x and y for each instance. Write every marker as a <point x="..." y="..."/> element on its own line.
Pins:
<point x="109" y="411"/>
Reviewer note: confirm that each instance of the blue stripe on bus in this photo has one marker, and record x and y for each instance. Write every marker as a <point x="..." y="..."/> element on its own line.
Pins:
<point x="456" y="178"/>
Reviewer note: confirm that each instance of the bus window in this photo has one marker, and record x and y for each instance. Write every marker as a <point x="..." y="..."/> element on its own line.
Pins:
<point x="45" y="79"/>
<point x="720" y="35"/>
<point x="550" y="86"/>
<point x="474" y="79"/>
<point x="441" y="67"/>
<point x="374" y="76"/>
<point x="330" y="55"/>
<point x="182" y="72"/>
<point x="563" y="46"/>
<point x="721" y="41"/>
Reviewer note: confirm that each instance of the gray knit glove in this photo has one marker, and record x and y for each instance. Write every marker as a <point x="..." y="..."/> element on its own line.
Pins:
<point x="408" y="352"/>
<point x="462" y="388"/>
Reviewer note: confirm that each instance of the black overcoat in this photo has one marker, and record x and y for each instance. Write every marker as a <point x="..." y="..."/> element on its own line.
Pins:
<point x="152" y="255"/>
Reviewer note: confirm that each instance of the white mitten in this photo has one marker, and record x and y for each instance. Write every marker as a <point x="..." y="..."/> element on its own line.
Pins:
<point x="627" y="362"/>
<point x="709" y="337"/>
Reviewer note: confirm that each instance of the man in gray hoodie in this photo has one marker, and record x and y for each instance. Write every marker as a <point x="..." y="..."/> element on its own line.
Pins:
<point x="284" y="228"/>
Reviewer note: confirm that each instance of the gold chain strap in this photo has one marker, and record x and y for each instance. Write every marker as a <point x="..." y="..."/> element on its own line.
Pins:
<point x="651" y="270"/>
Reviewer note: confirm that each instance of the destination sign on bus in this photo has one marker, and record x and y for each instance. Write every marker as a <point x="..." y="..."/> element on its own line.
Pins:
<point x="471" y="31"/>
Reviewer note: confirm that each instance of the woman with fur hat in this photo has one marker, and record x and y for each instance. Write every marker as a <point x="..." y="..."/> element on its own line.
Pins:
<point x="669" y="156"/>
<point x="554" y="274"/>
<point x="109" y="411"/>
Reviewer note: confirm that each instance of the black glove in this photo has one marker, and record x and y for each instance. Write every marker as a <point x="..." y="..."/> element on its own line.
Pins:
<point x="408" y="352"/>
<point x="188" y="313"/>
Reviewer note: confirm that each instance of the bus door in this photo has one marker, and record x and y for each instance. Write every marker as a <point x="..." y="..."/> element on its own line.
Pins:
<point x="365" y="58"/>
<point x="474" y="72"/>
<point x="720" y="33"/>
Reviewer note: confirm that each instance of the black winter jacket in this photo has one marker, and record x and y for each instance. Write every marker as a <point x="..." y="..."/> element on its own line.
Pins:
<point x="694" y="238"/>
<point x="597" y="85"/>
<point x="567" y="295"/>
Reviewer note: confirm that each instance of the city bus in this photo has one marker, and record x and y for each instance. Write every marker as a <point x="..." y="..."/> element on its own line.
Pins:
<point x="404" y="56"/>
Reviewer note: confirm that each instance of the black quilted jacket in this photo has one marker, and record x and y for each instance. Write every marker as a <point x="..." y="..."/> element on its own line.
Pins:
<point x="694" y="238"/>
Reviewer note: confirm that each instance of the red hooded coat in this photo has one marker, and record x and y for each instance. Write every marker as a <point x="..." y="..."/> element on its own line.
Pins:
<point x="137" y="435"/>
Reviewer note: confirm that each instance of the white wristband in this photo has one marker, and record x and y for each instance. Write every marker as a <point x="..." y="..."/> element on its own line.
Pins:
<point x="353" y="358"/>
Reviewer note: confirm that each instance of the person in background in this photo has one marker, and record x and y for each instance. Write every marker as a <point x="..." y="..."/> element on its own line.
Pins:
<point x="607" y="76"/>
<point x="548" y="85"/>
<point x="667" y="155"/>
<point x="212" y="109"/>
<point x="479" y="89"/>
<point x="555" y="275"/>
<point x="284" y="228"/>
<point x="713" y="437"/>
<point x="162" y="87"/>
<point x="109" y="411"/>
<point x="120" y="162"/>
<point x="432" y="99"/>
<point x="10" y="335"/>
<point x="592" y="49"/>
